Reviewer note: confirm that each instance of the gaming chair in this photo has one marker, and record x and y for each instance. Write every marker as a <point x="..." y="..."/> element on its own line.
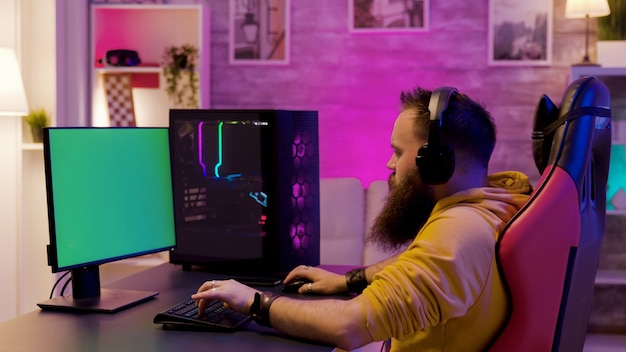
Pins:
<point x="548" y="252"/>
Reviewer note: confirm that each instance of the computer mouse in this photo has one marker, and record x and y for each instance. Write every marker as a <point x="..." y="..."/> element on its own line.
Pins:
<point x="293" y="286"/>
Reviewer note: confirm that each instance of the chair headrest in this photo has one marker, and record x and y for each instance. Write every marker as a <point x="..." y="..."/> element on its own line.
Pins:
<point x="546" y="113"/>
<point x="586" y="96"/>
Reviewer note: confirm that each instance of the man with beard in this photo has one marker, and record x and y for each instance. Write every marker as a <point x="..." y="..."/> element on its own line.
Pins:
<point x="443" y="291"/>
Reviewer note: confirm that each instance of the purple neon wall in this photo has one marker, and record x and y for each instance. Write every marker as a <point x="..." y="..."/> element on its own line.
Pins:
<point x="353" y="80"/>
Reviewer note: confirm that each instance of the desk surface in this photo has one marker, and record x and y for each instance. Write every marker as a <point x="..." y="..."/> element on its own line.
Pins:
<point x="132" y="329"/>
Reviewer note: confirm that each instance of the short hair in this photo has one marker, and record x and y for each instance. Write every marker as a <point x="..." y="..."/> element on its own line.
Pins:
<point x="467" y="126"/>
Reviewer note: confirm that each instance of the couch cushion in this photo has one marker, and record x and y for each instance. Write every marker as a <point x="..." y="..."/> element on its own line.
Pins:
<point x="375" y="197"/>
<point x="342" y="221"/>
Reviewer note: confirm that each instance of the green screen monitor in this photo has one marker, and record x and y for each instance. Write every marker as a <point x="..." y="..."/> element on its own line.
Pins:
<point x="109" y="194"/>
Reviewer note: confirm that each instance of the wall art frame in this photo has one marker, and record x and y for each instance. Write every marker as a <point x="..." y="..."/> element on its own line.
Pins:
<point x="129" y="2"/>
<point x="520" y="32"/>
<point x="388" y="16"/>
<point x="259" y="32"/>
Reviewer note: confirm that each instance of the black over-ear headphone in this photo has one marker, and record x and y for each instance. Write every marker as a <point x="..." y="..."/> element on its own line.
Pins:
<point x="435" y="160"/>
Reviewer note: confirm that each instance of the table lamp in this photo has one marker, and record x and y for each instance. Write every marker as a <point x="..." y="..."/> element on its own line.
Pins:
<point x="587" y="9"/>
<point x="12" y="96"/>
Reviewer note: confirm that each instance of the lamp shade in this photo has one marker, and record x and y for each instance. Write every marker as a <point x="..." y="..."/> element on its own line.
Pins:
<point x="12" y="96"/>
<point x="584" y="8"/>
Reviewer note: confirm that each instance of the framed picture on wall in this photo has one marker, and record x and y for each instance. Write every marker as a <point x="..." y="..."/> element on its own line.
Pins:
<point x="520" y="32"/>
<point x="388" y="15"/>
<point x="128" y="1"/>
<point x="259" y="32"/>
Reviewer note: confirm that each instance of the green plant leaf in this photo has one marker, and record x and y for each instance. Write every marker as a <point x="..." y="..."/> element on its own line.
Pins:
<point x="37" y="118"/>
<point x="178" y="62"/>
<point x="613" y="26"/>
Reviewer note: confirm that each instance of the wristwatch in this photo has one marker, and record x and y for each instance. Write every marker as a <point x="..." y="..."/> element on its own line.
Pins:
<point x="356" y="280"/>
<point x="260" y="308"/>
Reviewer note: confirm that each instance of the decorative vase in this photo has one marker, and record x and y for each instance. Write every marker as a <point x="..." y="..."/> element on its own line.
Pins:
<point x="611" y="53"/>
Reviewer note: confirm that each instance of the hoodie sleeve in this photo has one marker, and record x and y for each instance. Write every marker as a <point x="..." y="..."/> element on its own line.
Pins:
<point x="439" y="277"/>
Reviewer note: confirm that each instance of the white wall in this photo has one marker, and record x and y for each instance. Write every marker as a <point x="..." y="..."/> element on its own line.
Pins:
<point x="38" y="53"/>
<point x="28" y="26"/>
<point x="8" y="181"/>
<point x="8" y="22"/>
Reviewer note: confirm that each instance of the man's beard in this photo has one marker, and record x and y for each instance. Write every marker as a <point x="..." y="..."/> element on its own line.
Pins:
<point x="407" y="208"/>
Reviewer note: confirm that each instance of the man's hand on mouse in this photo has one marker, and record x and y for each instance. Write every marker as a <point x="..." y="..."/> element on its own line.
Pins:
<point x="323" y="281"/>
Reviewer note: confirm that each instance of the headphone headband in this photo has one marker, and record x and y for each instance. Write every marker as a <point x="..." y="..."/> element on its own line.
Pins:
<point x="439" y="100"/>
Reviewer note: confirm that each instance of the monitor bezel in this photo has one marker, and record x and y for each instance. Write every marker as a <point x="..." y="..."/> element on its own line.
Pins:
<point x="52" y="249"/>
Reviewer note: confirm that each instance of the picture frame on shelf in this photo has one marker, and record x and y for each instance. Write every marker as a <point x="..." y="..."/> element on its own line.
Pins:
<point x="520" y="33"/>
<point x="259" y="32"/>
<point x="388" y="16"/>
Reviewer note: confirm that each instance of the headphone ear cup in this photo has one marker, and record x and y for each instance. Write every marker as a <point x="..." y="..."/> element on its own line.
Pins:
<point x="435" y="166"/>
<point x="435" y="159"/>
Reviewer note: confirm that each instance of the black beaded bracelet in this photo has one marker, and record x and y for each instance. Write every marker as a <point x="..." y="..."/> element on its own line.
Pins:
<point x="260" y="308"/>
<point x="356" y="280"/>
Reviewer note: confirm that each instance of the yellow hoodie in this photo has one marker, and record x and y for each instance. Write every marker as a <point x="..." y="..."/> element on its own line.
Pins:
<point x="444" y="293"/>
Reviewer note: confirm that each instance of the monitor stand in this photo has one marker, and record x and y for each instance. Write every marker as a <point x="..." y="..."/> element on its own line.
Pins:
<point x="89" y="297"/>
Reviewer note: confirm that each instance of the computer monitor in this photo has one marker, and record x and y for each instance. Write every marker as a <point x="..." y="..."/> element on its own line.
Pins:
<point x="109" y="194"/>
<point x="246" y="190"/>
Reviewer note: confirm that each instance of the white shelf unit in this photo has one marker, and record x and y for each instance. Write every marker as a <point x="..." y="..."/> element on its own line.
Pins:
<point x="136" y="69"/>
<point x="147" y="29"/>
<point x="32" y="146"/>
<point x="33" y="230"/>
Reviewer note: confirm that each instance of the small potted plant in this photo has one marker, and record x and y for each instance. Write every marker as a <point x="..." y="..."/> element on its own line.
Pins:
<point x="179" y="71"/>
<point x="37" y="120"/>
<point x="611" y="45"/>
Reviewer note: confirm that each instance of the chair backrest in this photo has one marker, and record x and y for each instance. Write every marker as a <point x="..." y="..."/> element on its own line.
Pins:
<point x="548" y="253"/>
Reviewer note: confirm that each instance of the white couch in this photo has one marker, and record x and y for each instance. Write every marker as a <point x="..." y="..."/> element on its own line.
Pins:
<point x="347" y="211"/>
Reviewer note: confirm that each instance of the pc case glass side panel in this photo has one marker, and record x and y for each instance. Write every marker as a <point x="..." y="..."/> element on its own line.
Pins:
<point x="219" y="193"/>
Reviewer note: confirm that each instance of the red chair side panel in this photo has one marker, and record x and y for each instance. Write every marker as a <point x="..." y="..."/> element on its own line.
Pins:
<point x="533" y="253"/>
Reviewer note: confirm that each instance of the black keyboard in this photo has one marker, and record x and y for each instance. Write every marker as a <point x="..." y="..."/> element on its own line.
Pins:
<point x="215" y="317"/>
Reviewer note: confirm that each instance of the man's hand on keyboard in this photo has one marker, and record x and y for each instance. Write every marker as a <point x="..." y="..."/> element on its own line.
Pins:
<point x="236" y="295"/>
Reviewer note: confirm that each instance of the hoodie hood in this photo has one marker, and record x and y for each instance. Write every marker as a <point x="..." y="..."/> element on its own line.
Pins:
<point x="506" y="194"/>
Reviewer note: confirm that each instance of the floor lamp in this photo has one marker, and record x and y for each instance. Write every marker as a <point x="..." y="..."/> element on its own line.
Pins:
<point x="586" y="9"/>
<point x="12" y="107"/>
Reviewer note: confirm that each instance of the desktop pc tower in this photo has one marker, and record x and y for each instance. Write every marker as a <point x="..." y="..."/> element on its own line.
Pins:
<point x="246" y="190"/>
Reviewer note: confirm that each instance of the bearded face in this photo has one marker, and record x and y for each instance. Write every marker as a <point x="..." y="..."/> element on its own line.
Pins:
<point x="408" y="206"/>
